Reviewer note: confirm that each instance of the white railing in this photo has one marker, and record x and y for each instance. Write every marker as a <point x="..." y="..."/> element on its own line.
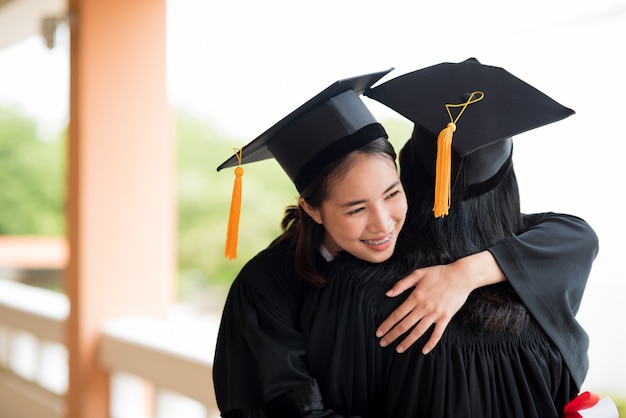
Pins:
<point x="33" y="359"/>
<point x="171" y="359"/>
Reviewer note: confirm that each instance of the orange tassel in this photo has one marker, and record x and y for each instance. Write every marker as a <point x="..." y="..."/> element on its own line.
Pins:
<point x="443" y="171"/>
<point x="232" y="232"/>
<point x="443" y="168"/>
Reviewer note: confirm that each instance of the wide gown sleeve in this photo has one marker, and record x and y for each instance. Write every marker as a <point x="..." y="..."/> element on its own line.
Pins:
<point x="260" y="366"/>
<point x="548" y="266"/>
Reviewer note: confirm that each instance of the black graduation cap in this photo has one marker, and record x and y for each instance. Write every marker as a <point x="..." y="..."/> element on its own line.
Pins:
<point x="331" y="124"/>
<point x="487" y="106"/>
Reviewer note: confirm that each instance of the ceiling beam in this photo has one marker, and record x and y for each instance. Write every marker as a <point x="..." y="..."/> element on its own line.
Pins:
<point x="21" y="19"/>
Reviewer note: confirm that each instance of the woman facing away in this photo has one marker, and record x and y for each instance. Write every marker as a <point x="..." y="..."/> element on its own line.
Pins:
<point x="514" y="349"/>
<point x="344" y="169"/>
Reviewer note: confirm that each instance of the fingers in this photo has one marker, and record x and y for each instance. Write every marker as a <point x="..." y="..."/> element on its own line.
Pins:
<point x="414" y="335"/>
<point x="434" y="301"/>
<point x="400" y="329"/>
<point x="440" y="327"/>
<point x="418" y="331"/>
<point x="396" y="316"/>
<point x="406" y="283"/>
<point x="406" y="307"/>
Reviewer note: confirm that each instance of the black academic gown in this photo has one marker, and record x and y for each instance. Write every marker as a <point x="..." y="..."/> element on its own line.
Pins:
<point x="472" y="372"/>
<point x="551" y="291"/>
<point x="261" y="367"/>
<point x="520" y="370"/>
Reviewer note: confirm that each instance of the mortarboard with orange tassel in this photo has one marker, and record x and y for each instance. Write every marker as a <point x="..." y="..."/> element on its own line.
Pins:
<point x="469" y="159"/>
<point x="326" y="127"/>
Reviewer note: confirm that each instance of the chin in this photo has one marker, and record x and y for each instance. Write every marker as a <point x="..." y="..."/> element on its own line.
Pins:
<point x="379" y="257"/>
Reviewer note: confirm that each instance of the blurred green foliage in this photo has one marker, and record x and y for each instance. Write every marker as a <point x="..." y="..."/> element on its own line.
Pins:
<point x="32" y="184"/>
<point x="204" y="200"/>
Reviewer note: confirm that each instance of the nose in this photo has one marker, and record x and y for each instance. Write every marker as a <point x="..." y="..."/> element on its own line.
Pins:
<point x="380" y="219"/>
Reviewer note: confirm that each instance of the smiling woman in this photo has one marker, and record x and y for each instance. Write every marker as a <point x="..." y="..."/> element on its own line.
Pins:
<point x="351" y="200"/>
<point x="362" y="214"/>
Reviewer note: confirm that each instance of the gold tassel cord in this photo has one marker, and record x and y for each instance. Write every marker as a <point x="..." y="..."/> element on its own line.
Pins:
<point x="232" y="232"/>
<point x="444" y="157"/>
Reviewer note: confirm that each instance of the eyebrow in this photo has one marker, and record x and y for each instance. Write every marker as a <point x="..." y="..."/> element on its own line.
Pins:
<point x="359" y="202"/>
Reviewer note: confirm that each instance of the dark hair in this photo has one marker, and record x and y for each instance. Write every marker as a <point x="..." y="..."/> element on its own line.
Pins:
<point x="300" y="231"/>
<point x="474" y="222"/>
<point x="472" y="225"/>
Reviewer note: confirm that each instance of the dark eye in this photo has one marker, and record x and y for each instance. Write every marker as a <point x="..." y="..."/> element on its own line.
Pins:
<point x="356" y="211"/>
<point x="393" y="194"/>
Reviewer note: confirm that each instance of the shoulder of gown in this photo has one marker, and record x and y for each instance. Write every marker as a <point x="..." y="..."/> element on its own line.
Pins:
<point x="260" y="364"/>
<point x="553" y="291"/>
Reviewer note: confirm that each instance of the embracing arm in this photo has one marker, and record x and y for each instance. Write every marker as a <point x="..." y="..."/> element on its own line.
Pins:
<point x="553" y="255"/>
<point x="440" y="291"/>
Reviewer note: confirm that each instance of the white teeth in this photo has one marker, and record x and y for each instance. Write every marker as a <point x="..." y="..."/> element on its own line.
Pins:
<point x="380" y="242"/>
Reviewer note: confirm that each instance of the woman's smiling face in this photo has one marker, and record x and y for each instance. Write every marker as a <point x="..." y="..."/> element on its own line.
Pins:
<point x="365" y="209"/>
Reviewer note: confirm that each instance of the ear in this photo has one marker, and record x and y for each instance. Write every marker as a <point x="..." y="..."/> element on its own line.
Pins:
<point x="310" y="210"/>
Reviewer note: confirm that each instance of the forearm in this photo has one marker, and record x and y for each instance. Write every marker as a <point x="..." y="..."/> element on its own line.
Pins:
<point x="480" y="269"/>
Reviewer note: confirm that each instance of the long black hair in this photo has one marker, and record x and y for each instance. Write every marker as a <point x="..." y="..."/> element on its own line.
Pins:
<point x="472" y="225"/>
